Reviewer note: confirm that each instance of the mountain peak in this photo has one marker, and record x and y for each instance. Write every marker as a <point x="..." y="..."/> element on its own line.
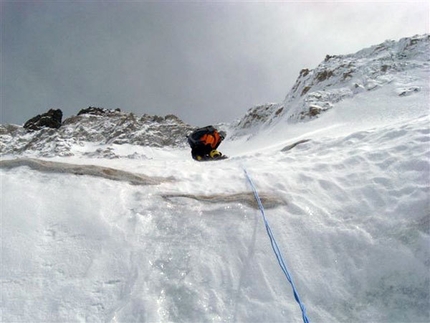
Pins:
<point x="340" y="77"/>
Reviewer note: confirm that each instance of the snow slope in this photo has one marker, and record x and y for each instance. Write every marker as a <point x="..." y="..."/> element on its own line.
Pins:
<point x="350" y="209"/>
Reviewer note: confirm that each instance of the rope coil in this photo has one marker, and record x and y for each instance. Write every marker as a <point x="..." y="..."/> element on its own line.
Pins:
<point x="276" y="249"/>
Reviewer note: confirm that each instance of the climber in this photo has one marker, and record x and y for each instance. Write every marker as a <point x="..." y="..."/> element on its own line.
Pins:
<point x="204" y="142"/>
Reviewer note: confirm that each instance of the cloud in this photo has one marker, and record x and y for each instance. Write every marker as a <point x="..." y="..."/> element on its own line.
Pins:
<point x="205" y="62"/>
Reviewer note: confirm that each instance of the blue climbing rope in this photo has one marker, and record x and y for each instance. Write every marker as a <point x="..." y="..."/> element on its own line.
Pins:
<point x="276" y="249"/>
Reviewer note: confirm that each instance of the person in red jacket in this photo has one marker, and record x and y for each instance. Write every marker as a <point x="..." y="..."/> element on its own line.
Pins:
<point x="204" y="143"/>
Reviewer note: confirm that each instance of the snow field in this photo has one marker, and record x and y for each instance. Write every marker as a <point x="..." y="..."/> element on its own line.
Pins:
<point x="367" y="213"/>
<point x="353" y="228"/>
<point x="354" y="234"/>
<point x="118" y="256"/>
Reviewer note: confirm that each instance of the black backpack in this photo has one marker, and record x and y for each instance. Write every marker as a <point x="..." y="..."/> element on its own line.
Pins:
<point x="194" y="137"/>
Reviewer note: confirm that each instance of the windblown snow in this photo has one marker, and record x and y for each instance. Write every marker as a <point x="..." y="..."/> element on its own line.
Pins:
<point x="146" y="234"/>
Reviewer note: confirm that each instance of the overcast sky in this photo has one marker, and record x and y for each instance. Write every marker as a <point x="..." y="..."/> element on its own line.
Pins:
<point x="205" y="62"/>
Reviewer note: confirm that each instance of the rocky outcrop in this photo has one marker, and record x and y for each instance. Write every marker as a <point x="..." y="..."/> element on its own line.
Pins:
<point x="99" y="127"/>
<point x="257" y="115"/>
<point x="50" y="119"/>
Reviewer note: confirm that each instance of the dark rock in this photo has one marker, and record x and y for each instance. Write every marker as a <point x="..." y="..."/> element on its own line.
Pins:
<point x="50" y="119"/>
<point x="279" y="111"/>
<point x="324" y="75"/>
<point x="313" y="111"/>
<point x="305" y="90"/>
<point x="289" y="147"/>
<point x="304" y="72"/>
<point x="157" y="119"/>
<point x="98" y="111"/>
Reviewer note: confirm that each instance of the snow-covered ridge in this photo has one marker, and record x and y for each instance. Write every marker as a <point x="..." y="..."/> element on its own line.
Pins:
<point x="96" y="133"/>
<point x="341" y="77"/>
<point x="103" y="130"/>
